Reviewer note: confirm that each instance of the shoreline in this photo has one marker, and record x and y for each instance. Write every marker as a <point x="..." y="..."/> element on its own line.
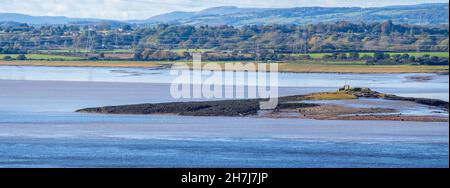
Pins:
<point x="84" y="64"/>
<point x="283" y="67"/>
<point x="288" y="107"/>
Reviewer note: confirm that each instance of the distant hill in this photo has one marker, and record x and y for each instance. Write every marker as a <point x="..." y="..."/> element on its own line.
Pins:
<point x="39" y="20"/>
<point x="436" y="13"/>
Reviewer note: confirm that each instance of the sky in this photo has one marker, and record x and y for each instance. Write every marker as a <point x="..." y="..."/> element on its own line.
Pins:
<point x="143" y="9"/>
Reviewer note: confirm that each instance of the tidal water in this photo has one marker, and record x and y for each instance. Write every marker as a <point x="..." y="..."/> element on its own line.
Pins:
<point x="401" y="107"/>
<point x="38" y="126"/>
<point x="400" y="84"/>
<point x="218" y="153"/>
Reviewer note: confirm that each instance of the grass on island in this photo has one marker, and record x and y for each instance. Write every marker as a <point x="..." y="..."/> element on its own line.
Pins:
<point x="330" y="96"/>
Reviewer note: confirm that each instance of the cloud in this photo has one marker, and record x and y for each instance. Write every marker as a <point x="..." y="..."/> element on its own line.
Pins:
<point x="142" y="9"/>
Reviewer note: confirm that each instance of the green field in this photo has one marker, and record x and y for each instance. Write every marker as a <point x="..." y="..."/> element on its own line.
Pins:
<point x="302" y="62"/>
<point x="328" y="62"/>
<point x="419" y="54"/>
<point x="415" y="54"/>
<point x="63" y="51"/>
<point x="44" y="57"/>
<point x="87" y="51"/>
<point x="116" y="51"/>
<point x="190" y="50"/>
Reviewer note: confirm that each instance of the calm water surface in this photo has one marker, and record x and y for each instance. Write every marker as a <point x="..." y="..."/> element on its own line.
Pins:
<point x="39" y="129"/>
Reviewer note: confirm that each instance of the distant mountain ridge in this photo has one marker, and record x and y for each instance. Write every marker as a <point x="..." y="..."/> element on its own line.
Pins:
<point x="434" y="13"/>
<point x="40" y="20"/>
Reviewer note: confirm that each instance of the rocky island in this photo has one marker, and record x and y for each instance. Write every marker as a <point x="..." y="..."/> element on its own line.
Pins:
<point x="297" y="106"/>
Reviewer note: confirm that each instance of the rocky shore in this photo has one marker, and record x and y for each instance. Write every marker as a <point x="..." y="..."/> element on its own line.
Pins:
<point x="288" y="107"/>
<point x="368" y="93"/>
<point x="210" y="108"/>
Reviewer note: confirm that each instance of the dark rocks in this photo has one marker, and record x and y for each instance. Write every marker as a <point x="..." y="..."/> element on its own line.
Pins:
<point x="248" y="107"/>
<point x="282" y="106"/>
<point x="367" y="93"/>
<point x="210" y="108"/>
<point x="430" y="102"/>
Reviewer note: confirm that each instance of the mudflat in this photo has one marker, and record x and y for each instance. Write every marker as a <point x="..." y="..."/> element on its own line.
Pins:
<point x="283" y="67"/>
<point x="290" y="106"/>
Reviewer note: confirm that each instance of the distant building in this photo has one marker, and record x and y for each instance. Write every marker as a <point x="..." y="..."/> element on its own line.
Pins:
<point x="345" y="88"/>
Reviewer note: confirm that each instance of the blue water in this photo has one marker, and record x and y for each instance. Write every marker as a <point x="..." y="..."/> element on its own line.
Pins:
<point x="221" y="153"/>
<point x="85" y="140"/>
<point x="38" y="126"/>
<point x="387" y="83"/>
<point x="401" y="107"/>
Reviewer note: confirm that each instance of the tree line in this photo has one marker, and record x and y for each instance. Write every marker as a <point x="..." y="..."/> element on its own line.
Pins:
<point x="378" y="58"/>
<point x="329" y="37"/>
